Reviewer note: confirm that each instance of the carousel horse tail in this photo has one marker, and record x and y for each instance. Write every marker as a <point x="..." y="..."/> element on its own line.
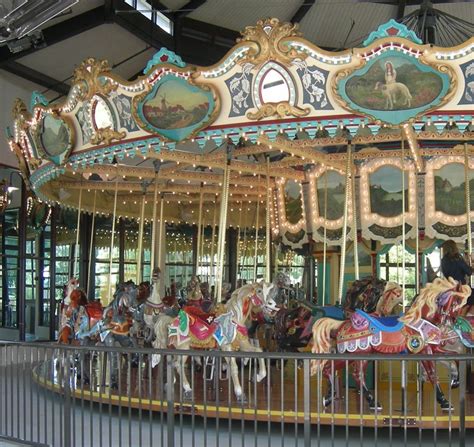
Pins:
<point x="322" y="340"/>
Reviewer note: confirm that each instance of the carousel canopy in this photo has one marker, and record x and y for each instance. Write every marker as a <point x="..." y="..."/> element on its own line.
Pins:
<point x="324" y="133"/>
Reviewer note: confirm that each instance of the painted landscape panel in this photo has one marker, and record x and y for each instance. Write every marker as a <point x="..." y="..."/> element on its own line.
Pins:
<point x="293" y="202"/>
<point x="335" y="193"/>
<point x="176" y="104"/>
<point x="55" y="136"/>
<point x="450" y="192"/>
<point x="386" y="191"/>
<point x="394" y="83"/>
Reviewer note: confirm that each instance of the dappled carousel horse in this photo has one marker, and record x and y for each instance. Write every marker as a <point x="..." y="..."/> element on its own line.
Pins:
<point x="424" y="329"/>
<point x="372" y="295"/>
<point x="225" y="330"/>
<point x="114" y="327"/>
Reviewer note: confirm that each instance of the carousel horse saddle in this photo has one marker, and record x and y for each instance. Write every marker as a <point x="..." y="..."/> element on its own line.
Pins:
<point x="380" y="324"/>
<point x="201" y="324"/>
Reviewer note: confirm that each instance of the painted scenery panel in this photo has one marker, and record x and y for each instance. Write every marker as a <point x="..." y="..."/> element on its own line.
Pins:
<point x="55" y="136"/>
<point x="175" y="105"/>
<point x="293" y="202"/>
<point x="335" y="194"/>
<point x="450" y="192"/>
<point x="394" y="83"/>
<point x="386" y="191"/>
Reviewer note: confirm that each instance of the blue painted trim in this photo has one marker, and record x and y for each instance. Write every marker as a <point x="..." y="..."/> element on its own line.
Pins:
<point x="381" y="32"/>
<point x="37" y="98"/>
<point x="172" y="58"/>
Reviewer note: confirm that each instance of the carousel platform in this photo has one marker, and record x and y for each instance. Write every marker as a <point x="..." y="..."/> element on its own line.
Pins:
<point x="279" y="398"/>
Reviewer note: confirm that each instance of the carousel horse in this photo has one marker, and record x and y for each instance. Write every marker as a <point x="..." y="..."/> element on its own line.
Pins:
<point x="149" y="308"/>
<point x="74" y="299"/>
<point x="114" y="327"/>
<point x="225" y="330"/>
<point x="372" y="295"/>
<point x="424" y="329"/>
<point x="194" y="295"/>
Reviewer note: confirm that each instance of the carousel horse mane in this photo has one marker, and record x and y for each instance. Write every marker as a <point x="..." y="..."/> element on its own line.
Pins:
<point x="428" y="298"/>
<point x="365" y="294"/>
<point x="78" y="297"/>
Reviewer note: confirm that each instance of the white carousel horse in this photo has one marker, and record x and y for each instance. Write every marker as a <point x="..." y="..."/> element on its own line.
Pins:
<point x="225" y="330"/>
<point x="147" y="312"/>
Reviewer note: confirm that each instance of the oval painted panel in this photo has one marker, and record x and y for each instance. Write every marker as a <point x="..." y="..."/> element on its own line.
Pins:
<point x="450" y="192"/>
<point x="55" y="138"/>
<point x="331" y="186"/>
<point x="175" y="109"/>
<point x="386" y="191"/>
<point x="293" y="202"/>
<point x="394" y="88"/>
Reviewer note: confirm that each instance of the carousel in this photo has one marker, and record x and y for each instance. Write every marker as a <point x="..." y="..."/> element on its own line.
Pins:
<point x="340" y="157"/>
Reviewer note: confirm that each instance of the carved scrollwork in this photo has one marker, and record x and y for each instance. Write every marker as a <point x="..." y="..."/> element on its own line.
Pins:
<point x="88" y="75"/>
<point x="267" y="41"/>
<point x="106" y="135"/>
<point x="282" y="110"/>
<point x="20" y="114"/>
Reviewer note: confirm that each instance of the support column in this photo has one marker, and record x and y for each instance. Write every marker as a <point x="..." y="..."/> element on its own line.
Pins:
<point x="161" y="259"/>
<point x="21" y="277"/>
<point x="310" y="264"/>
<point x="231" y="256"/>
<point x="121" y="267"/>
<point x="85" y="235"/>
<point x="334" y="264"/>
<point x="195" y="248"/>
<point x="52" y="274"/>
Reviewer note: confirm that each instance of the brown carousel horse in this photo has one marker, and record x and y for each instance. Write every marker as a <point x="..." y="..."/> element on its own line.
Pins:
<point x="372" y="295"/>
<point x="424" y="329"/>
<point x="74" y="299"/>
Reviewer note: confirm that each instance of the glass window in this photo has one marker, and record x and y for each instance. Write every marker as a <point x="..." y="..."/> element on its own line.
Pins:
<point x="391" y="269"/>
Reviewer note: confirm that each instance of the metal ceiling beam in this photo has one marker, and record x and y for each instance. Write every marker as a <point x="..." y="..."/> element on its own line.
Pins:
<point x="196" y="42"/>
<point x="35" y="76"/>
<point x="61" y="31"/>
<point x="302" y="10"/>
<point x="188" y="8"/>
<point x="401" y="9"/>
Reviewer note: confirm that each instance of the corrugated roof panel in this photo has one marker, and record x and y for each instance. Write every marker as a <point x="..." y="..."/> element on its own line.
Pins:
<point x="92" y="43"/>
<point x="327" y="24"/>
<point x="237" y="15"/>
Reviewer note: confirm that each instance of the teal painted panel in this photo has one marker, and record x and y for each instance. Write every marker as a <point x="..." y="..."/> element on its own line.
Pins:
<point x="175" y="109"/>
<point x="394" y="87"/>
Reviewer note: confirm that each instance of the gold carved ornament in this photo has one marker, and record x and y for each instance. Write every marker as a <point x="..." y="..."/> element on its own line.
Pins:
<point x="267" y="42"/>
<point x="106" y="135"/>
<point x="87" y="75"/>
<point x="281" y="109"/>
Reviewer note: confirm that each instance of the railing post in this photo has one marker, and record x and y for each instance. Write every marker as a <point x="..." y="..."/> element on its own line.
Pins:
<point x="462" y="403"/>
<point x="170" y="399"/>
<point x="67" y="399"/>
<point x="306" y="404"/>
